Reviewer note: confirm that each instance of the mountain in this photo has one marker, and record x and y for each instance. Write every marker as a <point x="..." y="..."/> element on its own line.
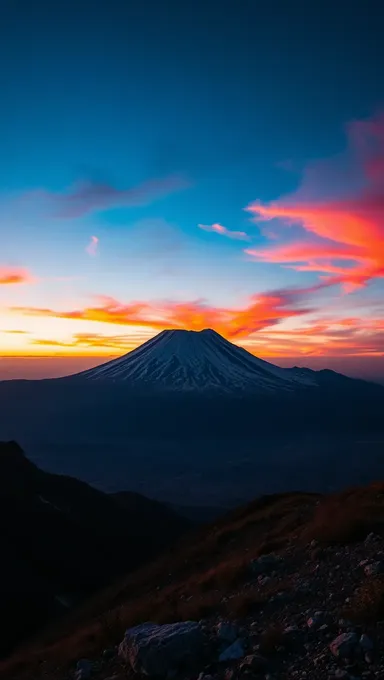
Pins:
<point x="191" y="419"/>
<point x="282" y="577"/>
<point x="61" y="540"/>
<point x="197" y="361"/>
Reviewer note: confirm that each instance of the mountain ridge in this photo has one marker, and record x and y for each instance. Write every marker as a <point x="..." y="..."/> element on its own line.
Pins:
<point x="282" y="576"/>
<point x="56" y="534"/>
<point x="184" y="360"/>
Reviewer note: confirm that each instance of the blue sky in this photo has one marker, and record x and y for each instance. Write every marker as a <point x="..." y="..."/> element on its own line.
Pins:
<point x="236" y="101"/>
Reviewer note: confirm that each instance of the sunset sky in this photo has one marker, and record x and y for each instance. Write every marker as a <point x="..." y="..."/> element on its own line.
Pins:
<point x="191" y="165"/>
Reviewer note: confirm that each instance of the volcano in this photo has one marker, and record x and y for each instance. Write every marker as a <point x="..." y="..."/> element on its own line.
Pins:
<point x="183" y="360"/>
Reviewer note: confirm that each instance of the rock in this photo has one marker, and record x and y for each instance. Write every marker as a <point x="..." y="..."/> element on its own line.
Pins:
<point x="83" y="669"/>
<point x="340" y="673"/>
<point x="316" y="620"/>
<point x="229" y="674"/>
<point x="374" y="568"/>
<point x="234" y="651"/>
<point x="255" y="663"/>
<point x="370" y="538"/>
<point x="366" y="643"/>
<point x="289" y="630"/>
<point x="227" y="632"/>
<point x="156" y="650"/>
<point x="262" y="580"/>
<point x="266" y="563"/>
<point x="344" y="645"/>
<point x="109" y="653"/>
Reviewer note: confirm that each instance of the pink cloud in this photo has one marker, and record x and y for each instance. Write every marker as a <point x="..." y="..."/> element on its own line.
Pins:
<point x="223" y="231"/>
<point x="347" y="228"/>
<point x="92" y="246"/>
<point x="14" y="275"/>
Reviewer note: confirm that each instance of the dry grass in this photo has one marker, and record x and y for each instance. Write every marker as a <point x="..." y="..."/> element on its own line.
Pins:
<point x="349" y="516"/>
<point x="367" y="603"/>
<point x="192" y="582"/>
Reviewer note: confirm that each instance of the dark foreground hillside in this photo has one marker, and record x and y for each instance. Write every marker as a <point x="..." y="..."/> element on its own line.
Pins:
<point x="62" y="540"/>
<point x="291" y="586"/>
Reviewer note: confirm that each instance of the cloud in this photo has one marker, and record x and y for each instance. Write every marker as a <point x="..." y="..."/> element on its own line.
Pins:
<point x="340" y="209"/>
<point x="87" y="197"/>
<point x="261" y="311"/>
<point x="258" y="327"/>
<point x="14" y="275"/>
<point x="337" y="337"/>
<point x="92" y="246"/>
<point x="223" y="231"/>
<point x="91" y="340"/>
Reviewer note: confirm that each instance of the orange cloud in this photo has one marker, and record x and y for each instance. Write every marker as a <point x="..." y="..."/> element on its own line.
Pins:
<point x="345" y="235"/>
<point x="91" y="343"/>
<point x="223" y="231"/>
<point x="262" y="310"/>
<point x="14" y="275"/>
<point x="327" y="337"/>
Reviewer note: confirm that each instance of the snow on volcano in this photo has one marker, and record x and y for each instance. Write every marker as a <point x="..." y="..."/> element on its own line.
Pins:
<point x="183" y="360"/>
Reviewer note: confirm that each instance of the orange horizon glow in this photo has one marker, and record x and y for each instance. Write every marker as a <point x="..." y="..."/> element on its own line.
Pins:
<point x="334" y="239"/>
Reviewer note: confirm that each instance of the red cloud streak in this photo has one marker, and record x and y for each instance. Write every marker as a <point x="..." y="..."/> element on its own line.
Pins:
<point x="345" y="236"/>
<point x="13" y="275"/>
<point x="266" y="309"/>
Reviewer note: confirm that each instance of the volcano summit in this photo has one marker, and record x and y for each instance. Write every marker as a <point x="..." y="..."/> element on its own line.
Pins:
<point x="197" y="360"/>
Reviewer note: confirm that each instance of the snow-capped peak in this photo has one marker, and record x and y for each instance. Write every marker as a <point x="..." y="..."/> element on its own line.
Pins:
<point x="195" y="360"/>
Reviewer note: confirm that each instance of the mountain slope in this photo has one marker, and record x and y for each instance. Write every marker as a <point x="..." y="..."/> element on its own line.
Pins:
<point x="191" y="360"/>
<point x="56" y="538"/>
<point x="318" y="551"/>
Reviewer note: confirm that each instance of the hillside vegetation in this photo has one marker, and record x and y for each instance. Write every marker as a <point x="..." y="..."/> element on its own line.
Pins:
<point x="318" y="539"/>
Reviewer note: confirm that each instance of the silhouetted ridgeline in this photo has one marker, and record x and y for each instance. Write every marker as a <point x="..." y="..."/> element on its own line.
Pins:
<point x="61" y="540"/>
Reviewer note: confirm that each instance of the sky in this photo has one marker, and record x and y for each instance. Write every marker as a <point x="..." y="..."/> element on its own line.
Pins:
<point x="191" y="165"/>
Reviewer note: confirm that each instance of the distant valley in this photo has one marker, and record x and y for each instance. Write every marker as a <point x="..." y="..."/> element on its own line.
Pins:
<point x="130" y="424"/>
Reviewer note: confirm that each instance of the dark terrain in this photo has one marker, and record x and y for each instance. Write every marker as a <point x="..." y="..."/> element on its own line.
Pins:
<point x="62" y="540"/>
<point x="289" y="573"/>
<point x="193" y="449"/>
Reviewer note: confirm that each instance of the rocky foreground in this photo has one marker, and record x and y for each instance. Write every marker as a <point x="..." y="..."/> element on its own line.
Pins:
<point x="305" y="629"/>
<point x="308" y="609"/>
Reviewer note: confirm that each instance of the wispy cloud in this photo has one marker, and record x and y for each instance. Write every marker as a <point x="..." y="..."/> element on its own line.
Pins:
<point x="91" y="341"/>
<point x="87" y="196"/>
<point x="92" y="246"/>
<point x="223" y="231"/>
<point x="258" y="326"/>
<point x="261" y="311"/>
<point x="337" y="337"/>
<point x="343" y="235"/>
<point x="14" y="275"/>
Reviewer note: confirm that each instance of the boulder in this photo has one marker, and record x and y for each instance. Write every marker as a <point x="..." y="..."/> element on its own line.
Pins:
<point x="344" y="645"/>
<point x="83" y="669"/>
<point x="227" y="632"/>
<point x="254" y="663"/>
<point x="234" y="651"/>
<point x="157" y="650"/>
<point x="366" y="643"/>
<point x="265" y="564"/>
<point x="374" y="568"/>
